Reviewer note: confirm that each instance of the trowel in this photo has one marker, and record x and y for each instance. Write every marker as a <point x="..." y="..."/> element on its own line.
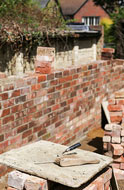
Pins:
<point x="67" y="159"/>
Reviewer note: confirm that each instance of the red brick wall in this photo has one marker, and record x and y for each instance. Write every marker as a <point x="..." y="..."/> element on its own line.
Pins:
<point x="90" y="9"/>
<point x="59" y="107"/>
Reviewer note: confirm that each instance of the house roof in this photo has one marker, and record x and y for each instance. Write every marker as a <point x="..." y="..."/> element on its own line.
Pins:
<point x="70" y="7"/>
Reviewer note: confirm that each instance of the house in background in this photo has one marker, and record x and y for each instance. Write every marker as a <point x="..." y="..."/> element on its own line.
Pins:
<point x="83" y="11"/>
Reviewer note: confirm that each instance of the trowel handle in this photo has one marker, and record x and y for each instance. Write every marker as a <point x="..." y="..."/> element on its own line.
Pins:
<point x="72" y="147"/>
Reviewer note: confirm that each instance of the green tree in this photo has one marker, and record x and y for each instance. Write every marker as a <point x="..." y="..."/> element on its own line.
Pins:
<point x="109" y="5"/>
<point x="117" y="31"/>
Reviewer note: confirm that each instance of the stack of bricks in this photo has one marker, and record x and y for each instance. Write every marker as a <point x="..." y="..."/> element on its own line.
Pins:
<point x="113" y="140"/>
<point x="21" y="181"/>
<point x="107" y="53"/>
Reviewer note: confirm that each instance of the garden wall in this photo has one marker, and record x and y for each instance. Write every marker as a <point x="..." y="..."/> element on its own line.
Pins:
<point x="69" y="51"/>
<point x="60" y="107"/>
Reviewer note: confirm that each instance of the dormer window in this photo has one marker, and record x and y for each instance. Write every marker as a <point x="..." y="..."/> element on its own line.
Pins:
<point x="92" y="20"/>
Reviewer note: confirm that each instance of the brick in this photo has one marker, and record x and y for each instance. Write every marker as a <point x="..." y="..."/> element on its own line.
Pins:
<point x="120" y="101"/>
<point x="119" y="174"/>
<point x="115" y="108"/>
<point x="117" y="149"/>
<point x="116" y="165"/>
<point x="26" y="134"/>
<point x="8" y="119"/>
<point x="35" y="183"/>
<point x="42" y="78"/>
<point x="116" y="117"/>
<point x="107" y="175"/>
<point x="119" y="94"/>
<point x="17" y="179"/>
<point x="91" y="187"/>
<point x="8" y="103"/>
<point x="3" y="170"/>
<point x="22" y="128"/>
<point x="43" y="67"/>
<point x="107" y="185"/>
<point x="122" y="133"/>
<point x="116" y="140"/>
<point x="108" y="50"/>
<point x="16" y="93"/>
<point x="122" y="139"/>
<point x="4" y="96"/>
<point x="16" y="108"/>
<point x="108" y="133"/>
<point x="116" y="127"/>
<point x="5" y="112"/>
<point x="122" y="166"/>
<point x="108" y="127"/>
<point x="111" y="101"/>
<point x="106" y="139"/>
<point x="116" y="133"/>
<point x="99" y="182"/>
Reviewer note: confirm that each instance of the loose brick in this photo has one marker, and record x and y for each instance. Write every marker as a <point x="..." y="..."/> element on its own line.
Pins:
<point x="106" y="139"/>
<point x="119" y="94"/>
<point x="115" y="108"/>
<point x="122" y="133"/>
<point x="116" y="165"/>
<point x="117" y="149"/>
<point x="119" y="174"/>
<point x="116" y="140"/>
<point x="122" y="166"/>
<point x="91" y="187"/>
<point x="17" y="179"/>
<point x="35" y="183"/>
<point x="119" y="159"/>
<point x="116" y="117"/>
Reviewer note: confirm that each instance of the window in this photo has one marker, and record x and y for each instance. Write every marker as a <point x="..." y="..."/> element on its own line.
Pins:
<point x="91" y="20"/>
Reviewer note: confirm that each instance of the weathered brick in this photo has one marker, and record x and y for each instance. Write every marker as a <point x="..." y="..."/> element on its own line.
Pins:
<point x="22" y="128"/>
<point x="119" y="174"/>
<point x="116" y="117"/>
<point x="8" y="119"/>
<point x="42" y="78"/>
<point x="43" y="67"/>
<point x="35" y="183"/>
<point x="16" y="93"/>
<point x="117" y="149"/>
<point x="5" y="112"/>
<point x="17" y="179"/>
<point x="119" y="94"/>
<point x="106" y="139"/>
<point x="26" y="134"/>
<point x="116" y="140"/>
<point x="115" y="108"/>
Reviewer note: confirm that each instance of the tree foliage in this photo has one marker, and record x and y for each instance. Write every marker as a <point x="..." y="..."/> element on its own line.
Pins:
<point x="24" y="20"/>
<point x="117" y="31"/>
<point x="109" y="5"/>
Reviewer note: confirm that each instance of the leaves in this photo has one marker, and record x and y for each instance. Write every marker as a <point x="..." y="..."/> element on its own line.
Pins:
<point x="24" y="20"/>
